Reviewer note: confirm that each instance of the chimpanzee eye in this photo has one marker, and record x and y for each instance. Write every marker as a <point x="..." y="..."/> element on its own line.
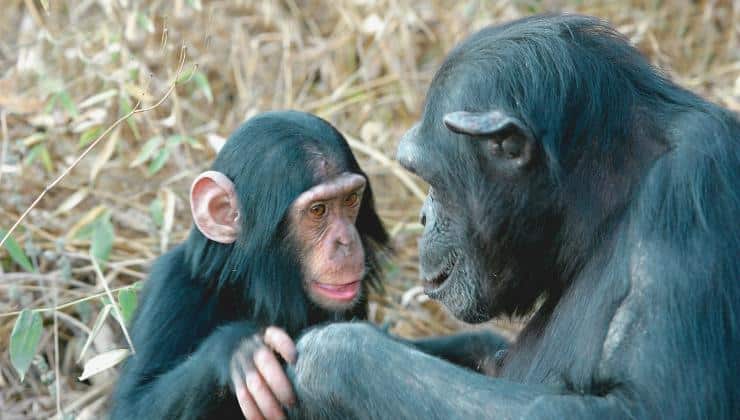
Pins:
<point x="318" y="210"/>
<point x="352" y="199"/>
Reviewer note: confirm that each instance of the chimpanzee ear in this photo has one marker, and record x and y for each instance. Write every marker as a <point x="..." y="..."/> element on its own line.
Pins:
<point x="215" y="207"/>
<point x="511" y="142"/>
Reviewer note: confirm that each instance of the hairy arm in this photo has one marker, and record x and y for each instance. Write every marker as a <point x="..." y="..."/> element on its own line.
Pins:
<point x="373" y="376"/>
<point x="475" y="350"/>
<point x="191" y="387"/>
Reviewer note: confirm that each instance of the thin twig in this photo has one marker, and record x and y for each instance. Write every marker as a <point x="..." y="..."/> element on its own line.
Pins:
<point x="57" y="383"/>
<point x="93" y="393"/>
<point x="72" y="321"/>
<point x="115" y="305"/>
<point x="68" y="304"/>
<point x="384" y="160"/>
<point x="135" y="110"/>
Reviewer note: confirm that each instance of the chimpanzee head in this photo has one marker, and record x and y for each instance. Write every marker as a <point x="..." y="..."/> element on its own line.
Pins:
<point x="517" y="142"/>
<point x="285" y="219"/>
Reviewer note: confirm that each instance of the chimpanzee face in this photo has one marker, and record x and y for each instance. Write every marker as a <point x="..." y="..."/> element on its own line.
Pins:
<point x="322" y="220"/>
<point x="476" y="164"/>
<point x="321" y="227"/>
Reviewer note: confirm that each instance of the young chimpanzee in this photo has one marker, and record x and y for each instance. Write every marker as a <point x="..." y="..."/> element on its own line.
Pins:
<point x="285" y="237"/>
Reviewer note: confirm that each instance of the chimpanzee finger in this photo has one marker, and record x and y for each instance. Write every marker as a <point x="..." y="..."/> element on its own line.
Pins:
<point x="266" y="401"/>
<point x="246" y="403"/>
<point x="272" y="372"/>
<point x="280" y="341"/>
<point x="243" y="361"/>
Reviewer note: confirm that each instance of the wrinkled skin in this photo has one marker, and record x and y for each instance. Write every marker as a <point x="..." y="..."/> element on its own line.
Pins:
<point x="473" y="254"/>
<point x="324" y="222"/>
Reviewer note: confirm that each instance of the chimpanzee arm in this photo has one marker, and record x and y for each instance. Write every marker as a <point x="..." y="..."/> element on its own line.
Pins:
<point x="374" y="376"/>
<point x="192" y="388"/>
<point x="476" y="350"/>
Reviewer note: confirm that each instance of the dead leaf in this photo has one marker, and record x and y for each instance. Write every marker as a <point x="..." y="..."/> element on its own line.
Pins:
<point x="103" y="361"/>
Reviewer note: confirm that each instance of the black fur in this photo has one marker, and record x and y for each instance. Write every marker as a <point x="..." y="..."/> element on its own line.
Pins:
<point x="621" y="233"/>
<point x="202" y="298"/>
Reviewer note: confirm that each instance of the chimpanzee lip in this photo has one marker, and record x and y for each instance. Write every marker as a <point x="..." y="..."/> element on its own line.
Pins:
<point x="346" y="291"/>
<point x="438" y="280"/>
<point x="337" y="285"/>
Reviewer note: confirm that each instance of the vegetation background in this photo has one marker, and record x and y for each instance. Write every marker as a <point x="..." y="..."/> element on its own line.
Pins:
<point x="69" y="70"/>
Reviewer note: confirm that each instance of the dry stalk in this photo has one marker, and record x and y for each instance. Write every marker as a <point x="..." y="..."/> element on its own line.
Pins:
<point x="384" y="160"/>
<point x="57" y="379"/>
<point x="68" y="304"/>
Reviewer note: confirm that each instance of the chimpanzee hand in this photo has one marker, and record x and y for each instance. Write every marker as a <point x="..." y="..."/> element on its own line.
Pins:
<point x="260" y="383"/>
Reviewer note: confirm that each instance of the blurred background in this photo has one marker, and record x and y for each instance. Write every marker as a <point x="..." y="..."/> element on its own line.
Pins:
<point x="69" y="70"/>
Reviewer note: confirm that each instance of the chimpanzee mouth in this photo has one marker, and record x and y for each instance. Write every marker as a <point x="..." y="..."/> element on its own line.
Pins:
<point x="435" y="282"/>
<point x="339" y="292"/>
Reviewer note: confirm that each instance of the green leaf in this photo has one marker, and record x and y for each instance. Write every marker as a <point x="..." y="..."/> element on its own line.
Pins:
<point x="186" y="75"/>
<point x="125" y="107"/>
<point x="50" y="105"/>
<point x="201" y="81"/>
<point x="159" y="161"/>
<point x="16" y="252"/>
<point x="46" y="158"/>
<point x="102" y="239"/>
<point x="32" y="154"/>
<point x="40" y="151"/>
<point x="133" y="74"/>
<point x="66" y="101"/>
<point x="144" y="22"/>
<point x="147" y="151"/>
<point x="128" y="301"/>
<point x="84" y="311"/>
<point x="88" y="136"/>
<point x="85" y="232"/>
<point x="156" y="210"/>
<point x="24" y="341"/>
<point x="175" y="140"/>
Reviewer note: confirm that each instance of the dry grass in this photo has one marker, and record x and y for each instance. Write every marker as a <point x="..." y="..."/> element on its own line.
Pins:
<point x="364" y="65"/>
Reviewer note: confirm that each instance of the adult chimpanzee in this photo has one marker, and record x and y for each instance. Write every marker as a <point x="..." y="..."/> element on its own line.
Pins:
<point x="570" y="177"/>
<point x="285" y="235"/>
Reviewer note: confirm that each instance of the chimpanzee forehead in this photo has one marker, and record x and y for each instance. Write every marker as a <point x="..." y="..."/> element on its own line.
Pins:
<point x="459" y="87"/>
<point x="340" y="185"/>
